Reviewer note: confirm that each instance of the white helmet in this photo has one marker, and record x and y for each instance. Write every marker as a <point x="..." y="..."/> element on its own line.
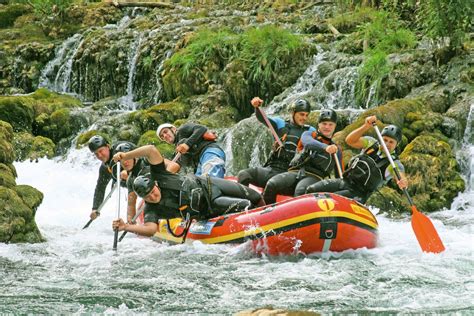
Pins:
<point x="160" y="128"/>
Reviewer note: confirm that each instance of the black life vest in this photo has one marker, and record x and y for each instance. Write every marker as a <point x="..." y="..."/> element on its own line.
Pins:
<point x="315" y="161"/>
<point x="180" y="195"/>
<point x="366" y="171"/>
<point x="289" y="135"/>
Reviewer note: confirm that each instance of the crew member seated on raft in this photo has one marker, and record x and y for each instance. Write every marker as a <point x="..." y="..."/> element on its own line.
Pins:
<point x="197" y="146"/>
<point x="134" y="168"/>
<point x="369" y="170"/>
<point x="102" y="150"/>
<point x="168" y="195"/>
<point x="289" y="132"/>
<point x="313" y="162"/>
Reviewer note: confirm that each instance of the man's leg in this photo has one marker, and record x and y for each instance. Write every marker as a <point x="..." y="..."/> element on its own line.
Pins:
<point x="212" y="163"/>
<point x="258" y="176"/>
<point x="283" y="183"/>
<point x="305" y="183"/>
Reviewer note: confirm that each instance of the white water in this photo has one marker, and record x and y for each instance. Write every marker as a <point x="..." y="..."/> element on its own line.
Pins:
<point x="77" y="271"/>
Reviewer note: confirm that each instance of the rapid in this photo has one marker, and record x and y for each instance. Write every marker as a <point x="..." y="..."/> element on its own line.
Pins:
<point x="76" y="271"/>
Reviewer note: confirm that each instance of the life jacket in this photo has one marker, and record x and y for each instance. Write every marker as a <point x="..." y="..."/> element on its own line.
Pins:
<point x="180" y="195"/>
<point x="314" y="161"/>
<point x="289" y="135"/>
<point x="366" y="171"/>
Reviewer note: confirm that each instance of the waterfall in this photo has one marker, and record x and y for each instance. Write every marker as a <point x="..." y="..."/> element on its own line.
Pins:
<point x="60" y="67"/>
<point x="328" y="82"/>
<point x="127" y="100"/>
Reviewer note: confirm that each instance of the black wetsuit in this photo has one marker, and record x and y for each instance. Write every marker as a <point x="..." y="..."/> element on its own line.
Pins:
<point x="192" y="135"/>
<point x="105" y="174"/>
<point x="362" y="189"/>
<point x="309" y="166"/>
<point x="279" y="160"/>
<point x="201" y="196"/>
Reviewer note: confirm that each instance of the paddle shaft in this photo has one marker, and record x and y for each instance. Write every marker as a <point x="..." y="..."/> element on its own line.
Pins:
<point x="270" y="126"/>
<point x="118" y="208"/>
<point x="392" y="163"/>
<point x="114" y="185"/>
<point x="338" y="165"/>
<point x="140" y="210"/>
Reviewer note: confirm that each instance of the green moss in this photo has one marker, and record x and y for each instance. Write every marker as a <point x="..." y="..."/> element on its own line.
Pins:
<point x="152" y="117"/>
<point x="349" y="21"/>
<point x="223" y="118"/>
<point x="30" y="196"/>
<point x="7" y="177"/>
<point x="83" y="138"/>
<point x="10" y="13"/>
<point x="18" y="111"/>
<point x="150" y="138"/>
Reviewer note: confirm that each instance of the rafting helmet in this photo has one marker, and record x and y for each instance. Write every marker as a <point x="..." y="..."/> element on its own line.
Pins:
<point x="161" y="127"/>
<point x="300" y="105"/>
<point x="125" y="147"/>
<point x="327" y="115"/>
<point x="143" y="185"/>
<point x="97" y="141"/>
<point x="392" y="131"/>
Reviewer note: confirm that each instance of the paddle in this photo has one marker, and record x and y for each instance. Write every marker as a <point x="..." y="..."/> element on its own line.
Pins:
<point x="118" y="208"/>
<point x="114" y="185"/>
<point x="424" y="229"/>
<point x="270" y="126"/>
<point x="140" y="210"/>
<point x="338" y="165"/>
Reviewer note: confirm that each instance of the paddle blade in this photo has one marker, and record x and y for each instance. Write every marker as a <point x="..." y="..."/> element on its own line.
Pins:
<point x="88" y="223"/>
<point x="425" y="232"/>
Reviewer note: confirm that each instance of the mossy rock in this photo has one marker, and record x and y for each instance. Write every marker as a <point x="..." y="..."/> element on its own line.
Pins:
<point x="48" y="101"/>
<point x="152" y="117"/>
<point x="7" y="154"/>
<point x="16" y="219"/>
<point x="30" y="196"/>
<point x="225" y="117"/>
<point x="7" y="176"/>
<point x="9" y="13"/>
<point x="32" y="147"/>
<point x="432" y="171"/>
<point x="18" y="111"/>
<point x="389" y="201"/>
<point x="150" y="138"/>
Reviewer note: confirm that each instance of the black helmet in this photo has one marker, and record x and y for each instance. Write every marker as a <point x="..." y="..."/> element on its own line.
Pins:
<point x="124" y="147"/>
<point x="300" y="105"/>
<point x="143" y="185"/>
<point x="392" y="131"/>
<point x="97" y="141"/>
<point x="327" y="115"/>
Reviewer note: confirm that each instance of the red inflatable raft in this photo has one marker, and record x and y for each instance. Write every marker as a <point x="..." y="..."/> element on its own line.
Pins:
<point x="307" y="224"/>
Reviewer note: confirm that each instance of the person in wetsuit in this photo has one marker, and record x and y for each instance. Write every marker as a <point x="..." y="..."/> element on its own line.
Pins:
<point x="289" y="132"/>
<point x="197" y="146"/>
<point x="102" y="150"/>
<point x="313" y="162"/>
<point x="369" y="170"/>
<point x="168" y="195"/>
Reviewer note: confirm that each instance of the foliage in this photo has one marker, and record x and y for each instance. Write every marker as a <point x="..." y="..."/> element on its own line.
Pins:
<point x="265" y="50"/>
<point x="8" y="14"/>
<point x="384" y="35"/>
<point x="452" y="19"/>
<point x="48" y="9"/>
<point x="203" y="46"/>
<point x="349" y="20"/>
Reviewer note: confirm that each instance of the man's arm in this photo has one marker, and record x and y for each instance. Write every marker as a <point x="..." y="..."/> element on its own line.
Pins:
<point x="99" y="193"/>
<point x="148" y="151"/>
<point x="148" y="229"/>
<point x="354" y="138"/>
<point x="172" y="166"/>
<point x="192" y="132"/>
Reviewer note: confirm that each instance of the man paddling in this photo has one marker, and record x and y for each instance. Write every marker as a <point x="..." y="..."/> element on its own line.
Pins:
<point x="197" y="146"/>
<point x="168" y="195"/>
<point x="369" y="170"/>
<point x="102" y="150"/>
<point x="289" y="132"/>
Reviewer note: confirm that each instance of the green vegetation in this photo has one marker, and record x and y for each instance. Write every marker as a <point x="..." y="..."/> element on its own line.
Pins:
<point x="383" y="35"/>
<point x="10" y="13"/>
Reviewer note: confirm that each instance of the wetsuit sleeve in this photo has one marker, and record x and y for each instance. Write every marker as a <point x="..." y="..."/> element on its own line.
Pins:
<point x="157" y="170"/>
<point x="102" y="181"/>
<point x="310" y="143"/>
<point x="193" y="133"/>
<point x="151" y="214"/>
<point x="276" y="122"/>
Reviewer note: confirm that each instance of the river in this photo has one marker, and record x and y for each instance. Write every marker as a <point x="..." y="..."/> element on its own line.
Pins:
<point x="76" y="271"/>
